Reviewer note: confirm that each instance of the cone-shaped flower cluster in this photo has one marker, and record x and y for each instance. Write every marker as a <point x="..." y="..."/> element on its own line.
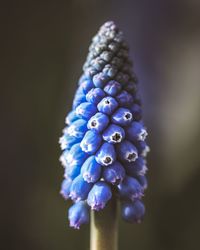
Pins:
<point x="103" y="143"/>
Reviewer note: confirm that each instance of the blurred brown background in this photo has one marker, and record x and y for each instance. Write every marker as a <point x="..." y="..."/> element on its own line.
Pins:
<point x="43" y="47"/>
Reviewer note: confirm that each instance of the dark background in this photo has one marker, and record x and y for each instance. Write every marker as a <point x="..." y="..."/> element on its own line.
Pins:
<point x="43" y="47"/>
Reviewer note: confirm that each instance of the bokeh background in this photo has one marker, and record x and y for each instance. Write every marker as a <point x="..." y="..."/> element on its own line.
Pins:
<point x="43" y="47"/>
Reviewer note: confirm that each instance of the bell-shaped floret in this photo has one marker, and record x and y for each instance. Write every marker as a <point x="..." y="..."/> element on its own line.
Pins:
<point x="133" y="211"/>
<point x="99" y="195"/>
<point x="106" y="154"/>
<point x="78" y="214"/>
<point x="91" y="170"/>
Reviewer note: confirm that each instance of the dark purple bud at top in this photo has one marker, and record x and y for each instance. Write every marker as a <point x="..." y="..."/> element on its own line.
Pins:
<point x="86" y="110"/>
<point x="100" y="80"/>
<point x="113" y="134"/>
<point x="112" y="88"/>
<point x="99" y="195"/>
<point x="106" y="154"/>
<point x="77" y="128"/>
<point x="133" y="211"/>
<point x="71" y="117"/>
<point x="106" y="55"/>
<point x="114" y="173"/>
<point x="95" y="95"/>
<point x="91" y="170"/>
<point x="91" y="142"/>
<point x="124" y="99"/>
<point x="98" y="63"/>
<point x="65" y="188"/>
<point x="86" y="85"/>
<point x="78" y="214"/>
<point x="78" y="98"/>
<point x="130" y="87"/>
<point x="117" y="62"/>
<point x="138" y="167"/>
<point x="113" y="46"/>
<point x="98" y="122"/>
<point x="136" y="132"/>
<point x="130" y="188"/>
<point x="137" y="112"/>
<point x="110" y="70"/>
<point x="127" y="151"/>
<point x="107" y="105"/>
<point x="79" y="189"/>
<point x="122" y="116"/>
<point x="122" y="78"/>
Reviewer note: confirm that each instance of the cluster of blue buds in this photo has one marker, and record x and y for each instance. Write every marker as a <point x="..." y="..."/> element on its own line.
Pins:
<point x="103" y="143"/>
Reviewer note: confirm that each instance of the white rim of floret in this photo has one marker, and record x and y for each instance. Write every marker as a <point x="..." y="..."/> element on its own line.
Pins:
<point x="71" y="130"/>
<point x="109" y="163"/>
<point x="127" y="155"/>
<point x="85" y="147"/>
<point x="91" y="121"/>
<point x="62" y="142"/>
<point x="143" y="134"/>
<point x="116" y="134"/>
<point x="143" y="170"/>
<point x="145" y="151"/>
<point x="128" y="113"/>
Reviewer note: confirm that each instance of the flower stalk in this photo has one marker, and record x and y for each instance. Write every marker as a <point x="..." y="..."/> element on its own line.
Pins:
<point x="104" y="227"/>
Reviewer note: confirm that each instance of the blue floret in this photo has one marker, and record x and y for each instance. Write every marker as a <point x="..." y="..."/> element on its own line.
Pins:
<point x="99" y="195"/>
<point x="78" y="214"/>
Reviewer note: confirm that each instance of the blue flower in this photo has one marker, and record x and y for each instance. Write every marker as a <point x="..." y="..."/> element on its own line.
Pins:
<point x="79" y="189"/>
<point x="133" y="211"/>
<point x="130" y="188"/>
<point x="136" y="132"/>
<point x="86" y="110"/>
<point x="127" y="151"/>
<point x="91" y="142"/>
<point x="107" y="105"/>
<point x="91" y="170"/>
<point x="112" y="88"/>
<point x="78" y="214"/>
<point x="114" y="174"/>
<point x="113" y="134"/>
<point x="77" y="128"/>
<point x="98" y="122"/>
<point x="106" y="155"/>
<point x="104" y="140"/>
<point x="99" y="195"/>
<point x="95" y="95"/>
<point x="65" y="188"/>
<point x="122" y="116"/>
<point x="71" y="117"/>
<point x="138" y="167"/>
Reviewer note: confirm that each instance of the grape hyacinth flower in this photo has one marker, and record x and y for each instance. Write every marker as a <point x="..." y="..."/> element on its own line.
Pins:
<point x="104" y="141"/>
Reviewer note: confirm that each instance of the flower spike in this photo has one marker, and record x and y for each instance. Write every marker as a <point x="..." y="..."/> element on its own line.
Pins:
<point x="104" y="141"/>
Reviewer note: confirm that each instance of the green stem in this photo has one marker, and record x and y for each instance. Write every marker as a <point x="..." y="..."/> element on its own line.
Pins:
<point x="104" y="228"/>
